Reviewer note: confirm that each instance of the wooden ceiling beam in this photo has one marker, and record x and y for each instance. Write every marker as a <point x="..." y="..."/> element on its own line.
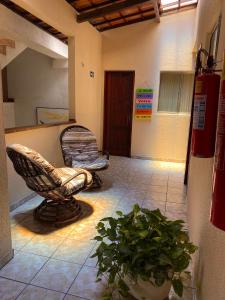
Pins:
<point x="7" y="42"/>
<point x="127" y="23"/>
<point x="156" y="9"/>
<point x="125" y="16"/>
<point x="88" y="8"/>
<point x="3" y="50"/>
<point x="96" y="13"/>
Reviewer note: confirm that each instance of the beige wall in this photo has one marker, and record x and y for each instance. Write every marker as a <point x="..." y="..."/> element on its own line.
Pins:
<point x="88" y="54"/>
<point x="149" y="48"/>
<point x="209" y="262"/>
<point x="5" y="236"/>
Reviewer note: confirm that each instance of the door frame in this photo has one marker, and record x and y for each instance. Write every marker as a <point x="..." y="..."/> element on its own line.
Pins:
<point x="105" y="105"/>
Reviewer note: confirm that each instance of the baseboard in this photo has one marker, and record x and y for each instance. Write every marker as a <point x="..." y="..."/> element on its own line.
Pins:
<point x="158" y="159"/>
<point x="22" y="201"/>
<point x="6" y="258"/>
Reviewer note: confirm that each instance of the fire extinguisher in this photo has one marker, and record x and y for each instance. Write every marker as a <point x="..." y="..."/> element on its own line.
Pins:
<point x="207" y="85"/>
<point x="218" y="196"/>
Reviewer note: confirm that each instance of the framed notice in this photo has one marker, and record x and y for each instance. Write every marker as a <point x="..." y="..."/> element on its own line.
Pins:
<point x="48" y="115"/>
<point x="143" y="104"/>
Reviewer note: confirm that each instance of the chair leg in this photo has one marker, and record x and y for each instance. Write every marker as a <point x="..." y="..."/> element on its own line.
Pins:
<point x="97" y="182"/>
<point x="58" y="212"/>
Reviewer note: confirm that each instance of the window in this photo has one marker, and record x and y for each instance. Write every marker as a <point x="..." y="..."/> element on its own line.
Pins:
<point x="176" y="4"/>
<point x="32" y="80"/>
<point x="175" y="92"/>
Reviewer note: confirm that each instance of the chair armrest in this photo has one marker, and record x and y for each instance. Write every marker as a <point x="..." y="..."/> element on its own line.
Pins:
<point x="74" y="176"/>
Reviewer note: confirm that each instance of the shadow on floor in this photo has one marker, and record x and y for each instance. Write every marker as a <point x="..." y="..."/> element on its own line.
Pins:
<point x="107" y="184"/>
<point x="26" y="219"/>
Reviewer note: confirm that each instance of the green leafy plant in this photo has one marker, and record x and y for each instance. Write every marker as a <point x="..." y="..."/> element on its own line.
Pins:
<point x="142" y="244"/>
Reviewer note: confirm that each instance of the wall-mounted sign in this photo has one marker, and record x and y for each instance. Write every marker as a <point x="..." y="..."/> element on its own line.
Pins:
<point x="143" y="104"/>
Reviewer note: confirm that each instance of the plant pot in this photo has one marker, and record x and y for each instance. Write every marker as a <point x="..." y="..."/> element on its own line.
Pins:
<point x="144" y="290"/>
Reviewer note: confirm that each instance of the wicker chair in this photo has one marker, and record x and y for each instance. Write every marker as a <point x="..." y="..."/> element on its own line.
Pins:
<point x="80" y="150"/>
<point x="56" y="185"/>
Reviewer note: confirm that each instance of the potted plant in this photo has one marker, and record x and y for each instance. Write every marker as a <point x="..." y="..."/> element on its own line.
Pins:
<point x="143" y="253"/>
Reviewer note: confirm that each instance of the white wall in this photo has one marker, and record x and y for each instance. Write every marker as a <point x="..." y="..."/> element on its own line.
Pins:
<point x="149" y="48"/>
<point x="9" y="114"/>
<point x="209" y="261"/>
<point x="33" y="82"/>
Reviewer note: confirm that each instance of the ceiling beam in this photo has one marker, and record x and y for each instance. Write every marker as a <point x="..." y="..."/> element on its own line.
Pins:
<point x="128" y="23"/>
<point x="3" y="50"/>
<point x="99" y="12"/>
<point x="124" y="16"/>
<point x="7" y="42"/>
<point x="88" y="8"/>
<point x="156" y="9"/>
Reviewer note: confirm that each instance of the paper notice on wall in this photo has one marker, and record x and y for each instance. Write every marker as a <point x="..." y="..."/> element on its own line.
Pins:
<point x="143" y="104"/>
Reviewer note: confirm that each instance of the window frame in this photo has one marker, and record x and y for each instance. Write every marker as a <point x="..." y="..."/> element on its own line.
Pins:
<point x="174" y="113"/>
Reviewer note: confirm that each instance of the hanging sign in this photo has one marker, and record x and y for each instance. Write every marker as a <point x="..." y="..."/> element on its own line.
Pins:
<point x="143" y="104"/>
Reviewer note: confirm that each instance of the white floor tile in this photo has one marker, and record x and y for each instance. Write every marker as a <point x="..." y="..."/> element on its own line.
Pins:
<point x="9" y="289"/>
<point x="57" y="275"/>
<point x="37" y="293"/>
<point x="23" y="267"/>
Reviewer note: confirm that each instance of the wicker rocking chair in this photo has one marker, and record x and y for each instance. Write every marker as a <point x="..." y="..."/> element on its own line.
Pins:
<point x="80" y="150"/>
<point x="57" y="185"/>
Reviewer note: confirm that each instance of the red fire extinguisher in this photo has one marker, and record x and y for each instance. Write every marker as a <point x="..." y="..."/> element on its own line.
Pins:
<point x="207" y="85"/>
<point x="218" y="199"/>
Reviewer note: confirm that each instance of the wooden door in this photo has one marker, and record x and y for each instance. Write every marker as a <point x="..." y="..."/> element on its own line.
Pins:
<point x="118" y="110"/>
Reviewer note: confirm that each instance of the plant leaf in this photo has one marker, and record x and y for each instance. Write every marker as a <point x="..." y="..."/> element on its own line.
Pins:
<point x="119" y="213"/>
<point x="143" y="233"/>
<point x="178" y="287"/>
<point x="98" y="238"/>
<point x="136" y="208"/>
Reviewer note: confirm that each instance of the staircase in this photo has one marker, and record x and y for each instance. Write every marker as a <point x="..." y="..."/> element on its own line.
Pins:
<point x="9" y="49"/>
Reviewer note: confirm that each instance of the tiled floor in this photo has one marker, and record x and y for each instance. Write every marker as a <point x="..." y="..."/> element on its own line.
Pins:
<point x="53" y="264"/>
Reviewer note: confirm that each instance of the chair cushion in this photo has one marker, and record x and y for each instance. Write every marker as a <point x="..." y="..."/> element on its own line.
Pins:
<point x="79" y="143"/>
<point x="34" y="158"/>
<point x="94" y="165"/>
<point x="75" y="184"/>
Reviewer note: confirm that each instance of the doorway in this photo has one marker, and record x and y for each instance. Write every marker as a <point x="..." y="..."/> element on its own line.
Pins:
<point x="118" y="112"/>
